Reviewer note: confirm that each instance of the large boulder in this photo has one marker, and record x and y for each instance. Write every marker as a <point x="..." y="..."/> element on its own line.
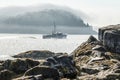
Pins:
<point x="111" y="40"/>
<point x="35" y="54"/>
<point x="6" y="75"/>
<point x="36" y="77"/>
<point x="45" y="71"/>
<point x="86" y="47"/>
<point x="64" y="64"/>
<point x="110" y="36"/>
<point x="19" y="65"/>
<point x="107" y="28"/>
<point x="95" y="61"/>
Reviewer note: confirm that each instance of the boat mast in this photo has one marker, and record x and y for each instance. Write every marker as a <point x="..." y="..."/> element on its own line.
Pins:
<point x="54" y="30"/>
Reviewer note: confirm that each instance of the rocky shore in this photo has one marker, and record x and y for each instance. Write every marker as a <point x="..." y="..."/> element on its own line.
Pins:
<point x="92" y="60"/>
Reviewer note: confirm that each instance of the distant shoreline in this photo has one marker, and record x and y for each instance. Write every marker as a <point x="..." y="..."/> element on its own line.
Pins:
<point x="16" y="29"/>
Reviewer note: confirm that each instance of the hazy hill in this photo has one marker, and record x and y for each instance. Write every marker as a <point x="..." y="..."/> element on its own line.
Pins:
<point x="41" y="16"/>
<point x="46" y="18"/>
<point x="39" y="19"/>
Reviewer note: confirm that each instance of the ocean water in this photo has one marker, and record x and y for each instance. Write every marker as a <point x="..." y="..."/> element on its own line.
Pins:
<point x="11" y="44"/>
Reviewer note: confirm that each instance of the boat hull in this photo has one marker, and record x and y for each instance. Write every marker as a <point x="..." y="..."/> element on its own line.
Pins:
<point x="54" y="36"/>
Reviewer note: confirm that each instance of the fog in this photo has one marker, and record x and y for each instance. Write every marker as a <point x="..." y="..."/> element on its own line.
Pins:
<point x="97" y="12"/>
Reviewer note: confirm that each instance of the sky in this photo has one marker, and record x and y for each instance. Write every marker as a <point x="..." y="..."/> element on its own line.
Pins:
<point x="101" y="12"/>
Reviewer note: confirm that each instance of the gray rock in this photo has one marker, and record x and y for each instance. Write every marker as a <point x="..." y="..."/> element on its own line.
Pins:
<point x="64" y="64"/>
<point x="94" y="61"/>
<point x="35" y="54"/>
<point x="6" y="64"/>
<point x="110" y="36"/>
<point x="6" y="75"/>
<point x="114" y="76"/>
<point x="103" y="29"/>
<point x="117" y="71"/>
<point x="45" y="71"/>
<point x="100" y="48"/>
<point x="86" y="47"/>
<point x="32" y="77"/>
<point x="1" y="68"/>
<point x="19" y="66"/>
<point x="111" y="40"/>
<point x="31" y="63"/>
<point x="91" y="39"/>
<point x="89" y="71"/>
